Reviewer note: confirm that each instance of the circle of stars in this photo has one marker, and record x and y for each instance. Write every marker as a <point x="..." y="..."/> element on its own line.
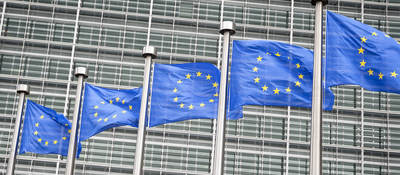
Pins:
<point x="46" y="142"/>
<point x="189" y="76"/>
<point x="112" y="101"/>
<point x="363" y="63"/>
<point x="276" y="91"/>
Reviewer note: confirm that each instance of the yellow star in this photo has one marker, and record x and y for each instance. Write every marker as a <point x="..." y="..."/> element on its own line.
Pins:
<point x="130" y="107"/>
<point x="117" y="99"/>
<point x="35" y="133"/>
<point x="41" y="117"/>
<point x="276" y="91"/>
<point x="64" y="138"/>
<point x="175" y="99"/>
<point x="202" y="104"/>
<point x="370" y="72"/>
<point x="95" y="107"/>
<point x="215" y="84"/>
<point x="179" y="81"/>
<point x="69" y="131"/>
<point x="100" y="119"/>
<point x="208" y="77"/>
<point x="55" y="142"/>
<point x="301" y="76"/>
<point x="66" y="124"/>
<point x="37" y="124"/>
<point x="380" y="75"/>
<point x="39" y="140"/>
<point x="114" y="116"/>
<point x="374" y="34"/>
<point x="394" y="74"/>
<point x="181" y="105"/>
<point x="259" y="58"/>
<point x="123" y="101"/>
<point x="103" y="102"/>
<point x="267" y="53"/>
<point x="288" y="58"/>
<point x="191" y="107"/>
<point x="298" y="83"/>
<point x="362" y="63"/>
<point x="363" y="39"/>
<point x="216" y="94"/>
<point x="175" y="90"/>
<point x="288" y="90"/>
<point x="361" y="51"/>
<point x="198" y="74"/>
<point x="46" y="143"/>
<point x="188" y="76"/>
<point x="256" y="80"/>
<point x="111" y="101"/>
<point x="211" y="100"/>
<point x="123" y="112"/>
<point x="297" y="65"/>
<point x="106" y="119"/>
<point x="255" y="69"/>
<point x="96" y="114"/>
<point x="387" y="36"/>
<point x="277" y="54"/>
<point x="264" y="88"/>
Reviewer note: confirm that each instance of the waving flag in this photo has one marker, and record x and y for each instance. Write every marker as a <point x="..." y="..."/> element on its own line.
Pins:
<point x="271" y="73"/>
<point x="183" y="92"/>
<point x="105" y="108"/>
<point x="45" y="131"/>
<point x="360" y="54"/>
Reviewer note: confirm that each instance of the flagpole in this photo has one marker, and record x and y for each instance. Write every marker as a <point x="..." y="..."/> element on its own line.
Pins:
<point x="81" y="73"/>
<point x="22" y="90"/>
<point x="227" y="29"/>
<point x="149" y="53"/>
<point x="316" y="120"/>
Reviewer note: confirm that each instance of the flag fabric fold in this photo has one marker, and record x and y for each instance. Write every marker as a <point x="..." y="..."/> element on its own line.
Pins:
<point x="183" y="92"/>
<point x="361" y="55"/>
<point x="45" y="131"/>
<point x="105" y="108"/>
<point x="271" y="73"/>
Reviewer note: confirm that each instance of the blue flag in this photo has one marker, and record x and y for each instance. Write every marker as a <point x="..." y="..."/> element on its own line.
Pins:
<point x="271" y="73"/>
<point x="105" y="108"/>
<point x="45" y="131"/>
<point x="183" y="92"/>
<point x="360" y="54"/>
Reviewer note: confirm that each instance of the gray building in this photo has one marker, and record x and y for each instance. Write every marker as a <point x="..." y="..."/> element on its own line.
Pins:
<point x="42" y="41"/>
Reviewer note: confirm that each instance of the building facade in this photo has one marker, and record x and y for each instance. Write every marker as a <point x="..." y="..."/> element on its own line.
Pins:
<point x="42" y="41"/>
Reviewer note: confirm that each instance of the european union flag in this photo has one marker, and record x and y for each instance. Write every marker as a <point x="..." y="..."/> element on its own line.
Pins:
<point x="360" y="54"/>
<point x="271" y="73"/>
<point x="183" y="92"/>
<point x="105" y="108"/>
<point x="45" y="131"/>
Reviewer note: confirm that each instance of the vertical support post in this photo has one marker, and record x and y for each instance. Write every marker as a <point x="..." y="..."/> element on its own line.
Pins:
<point x="81" y="73"/>
<point x="22" y="90"/>
<point x="316" y="120"/>
<point x="149" y="53"/>
<point x="2" y="17"/>
<point x="227" y="29"/>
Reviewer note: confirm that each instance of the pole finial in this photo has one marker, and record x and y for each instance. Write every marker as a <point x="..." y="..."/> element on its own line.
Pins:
<point x="149" y="51"/>
<point x="23" y="88"/>
<point x="324" y="2"/>
<point x="227" y="26"/>
<point x="81" y="71"/>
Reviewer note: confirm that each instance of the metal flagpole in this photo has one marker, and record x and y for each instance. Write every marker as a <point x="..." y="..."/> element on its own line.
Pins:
<point x="81" y="73"/>
<point x="227" y="29"/>
<point x="316" y="120"/>
<point x="22" y="90"/>
<point x="149" y="53"/>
